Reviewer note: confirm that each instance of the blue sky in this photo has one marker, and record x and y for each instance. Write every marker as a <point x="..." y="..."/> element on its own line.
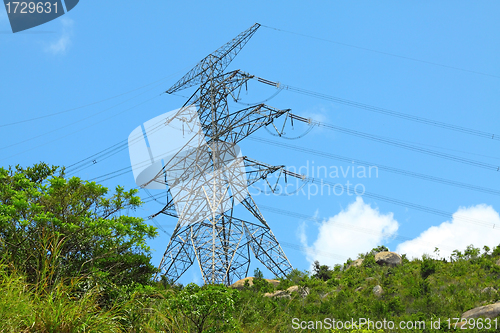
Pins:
<point x="433" y="60"/>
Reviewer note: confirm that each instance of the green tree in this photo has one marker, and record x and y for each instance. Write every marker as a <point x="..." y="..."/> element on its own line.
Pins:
<point x="322" y="272"/>
<point x="257" y="273"/>
<point x="428" y="267"/>
<point x="209" y="308"/>
<point x="53" y="228"/>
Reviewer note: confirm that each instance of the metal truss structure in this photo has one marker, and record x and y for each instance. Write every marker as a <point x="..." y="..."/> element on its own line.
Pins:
<point x="220" y="242"/>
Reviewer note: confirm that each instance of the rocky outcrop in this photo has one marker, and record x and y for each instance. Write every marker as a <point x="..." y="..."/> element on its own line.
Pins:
<point x="303" y="292"/>
<point x="356" y="263"/>
<point x="278" y="294"/>
<point x="487" y="311"/>
<point x="240" y="284"/>
<point x="489" y="290"/>
<point x="377" y="290"/>
<point x="391" y="259"/>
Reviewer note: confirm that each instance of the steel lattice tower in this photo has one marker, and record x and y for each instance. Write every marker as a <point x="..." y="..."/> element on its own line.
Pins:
<point x="222" y="243"/>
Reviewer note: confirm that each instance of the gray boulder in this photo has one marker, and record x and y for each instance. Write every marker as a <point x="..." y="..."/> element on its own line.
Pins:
<point x="489" y="290"/>
<point x="240" y="284"/>
<point x="377" y="290"/>
<point x="487" y="311"/>
<point x="391" y="259"/>
<point x="301" y="291"/>
<point x="356" y="263"/>
<point x="278" y="294"/>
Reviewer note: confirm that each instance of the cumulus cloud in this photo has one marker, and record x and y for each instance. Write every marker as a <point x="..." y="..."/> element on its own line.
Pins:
<point x="456" y="234"/>
<point x="61" y="45"/>
<point x="356" y="229"/>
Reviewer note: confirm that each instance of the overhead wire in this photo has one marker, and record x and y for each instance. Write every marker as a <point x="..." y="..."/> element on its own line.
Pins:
<point x="79" y="130"/>
<point x="402" y="144"/>
<point x="351" y="189"/>
<point x="382" y="52"/>
<point x="73" y="123"/>
<point x="379" y="166"/>
<point x="301" y="216"/>
<point x="406" y="116"/>
<point x="90" y="104"/>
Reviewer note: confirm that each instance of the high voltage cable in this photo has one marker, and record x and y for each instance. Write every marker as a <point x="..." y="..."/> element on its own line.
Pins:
<point x="393" y="142"/>
<point x="311" y="127"/>
<point x="105" y="153"/>
<point x="285" y="244"/>
<point x="404" y="145"/>
<point x="350" y="226"/>
<point x="407" y="204"/>
<point x="397" y="114"/>
<point x="398" y="202"/>
<point x="379" y="166"/>
<point x="75" y="122"/>
<point x="380" y="110"/>
<point x="123" y="145"/>
<point x="90" y="104"/>
<point x="113" y="150"/>
<point x="383" y="52"/>
<point x="403" y="203"/>
<point x="301" y="216"/>
<point x="81" y="128"/>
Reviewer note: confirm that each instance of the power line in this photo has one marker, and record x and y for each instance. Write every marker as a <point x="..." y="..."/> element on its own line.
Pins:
<point x="73" y="123"/>
<point x="379" y="166"/>
<point x="108" y="152"/>
<point x="402" y="144"/>
<point x="397" y="114"/>
<point x="113" y="150"/>
<point x="62" y="137"/>
<point x="430" y="210"/>
<point x="406" y="116"/>
<point x="337" y="224"/>
<point x="301" y="216"/>
<point x="90" y="104"/>
<point x="383" y="52"/>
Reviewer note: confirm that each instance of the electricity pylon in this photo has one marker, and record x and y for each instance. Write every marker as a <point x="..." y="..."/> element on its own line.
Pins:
<point x="220" y="242"/>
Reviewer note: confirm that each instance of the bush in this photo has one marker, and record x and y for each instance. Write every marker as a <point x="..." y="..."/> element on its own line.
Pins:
<point x="427" y="267"/>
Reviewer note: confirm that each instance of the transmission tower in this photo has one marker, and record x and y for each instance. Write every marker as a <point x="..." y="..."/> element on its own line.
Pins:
<point x="219" y="241"/>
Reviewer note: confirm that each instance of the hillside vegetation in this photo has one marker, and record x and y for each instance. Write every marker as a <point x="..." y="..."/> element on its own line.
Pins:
<point x="73" y="261"/>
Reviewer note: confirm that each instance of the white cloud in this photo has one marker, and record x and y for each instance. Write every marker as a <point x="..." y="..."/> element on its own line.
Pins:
<point x="61" y="45"/>
<point x="457" y="234"/>
<point x="354" y="230"/>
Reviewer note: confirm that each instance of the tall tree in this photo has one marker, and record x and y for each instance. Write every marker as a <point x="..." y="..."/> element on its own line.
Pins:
<point x="55" y="227"/>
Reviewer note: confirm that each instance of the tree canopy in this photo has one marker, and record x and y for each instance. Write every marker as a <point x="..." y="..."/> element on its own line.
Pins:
<point x="55" y="226"/>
